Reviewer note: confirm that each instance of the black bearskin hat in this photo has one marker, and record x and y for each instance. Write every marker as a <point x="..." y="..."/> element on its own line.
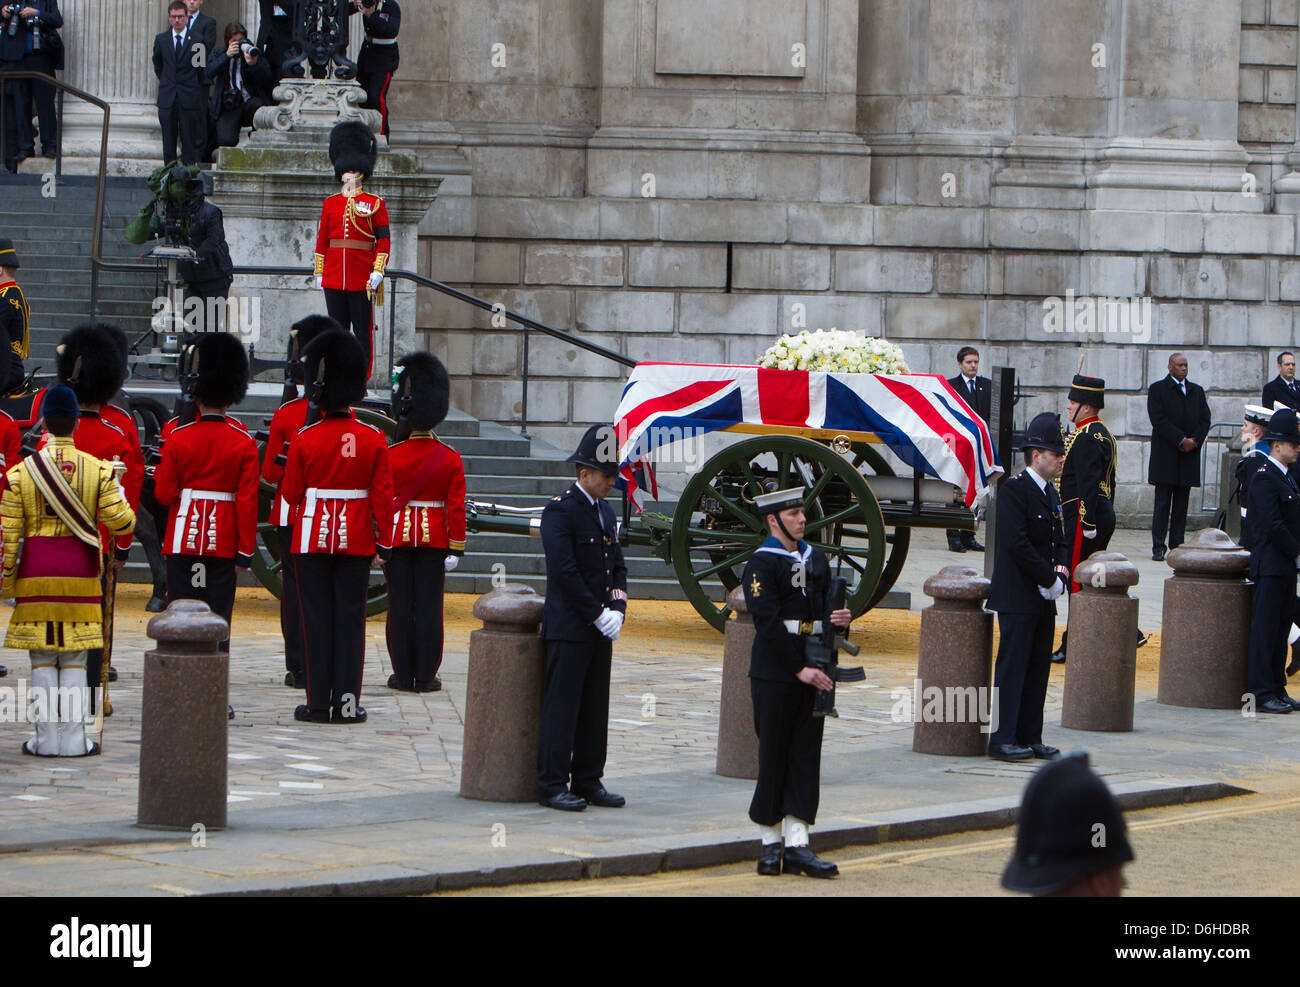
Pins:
<point x="300" y="337"/>
<point x="430" y="391"/>
<point x="223" y="370"/>
<point x="345" y="368"/>
<point x="353" y="148"/>
<point x="90" y="362"/>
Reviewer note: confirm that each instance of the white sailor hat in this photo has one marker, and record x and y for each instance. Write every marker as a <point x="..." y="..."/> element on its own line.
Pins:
<point x="1258" y="415"/>
<point x="779" y="500"/>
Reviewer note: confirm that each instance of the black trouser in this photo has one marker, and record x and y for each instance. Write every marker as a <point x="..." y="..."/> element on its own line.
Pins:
<point x="290" y="619"/>
<point x="575" y="716"/>
<point x="1020" y="676"/>
<point x="1169" y="514"/>
<point x="351" y="309"/>
<point x="415" y="582"/>
<point x="789" y="752"/>
<point x="1270" y="620"/>
<point x="375" y="68"/>
<point x="206" y="578"/>
<point x="227" y="124"/>
<point x="332" y="605"/>
<point x="190" y="126"/>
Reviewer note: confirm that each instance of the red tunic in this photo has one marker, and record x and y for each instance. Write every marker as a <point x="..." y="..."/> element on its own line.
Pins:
<point x="288" y="419"/>
<point x="352" y="240"/>
<point x="339" y="488"/>
<point x="428" y="494"/>
<point x="208" y="477"/>
<point x="11" y="447"/>
<point x="134" y="478"/>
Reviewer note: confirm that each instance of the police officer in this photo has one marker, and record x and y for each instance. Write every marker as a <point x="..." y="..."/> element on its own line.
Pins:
<point x="15" y="319"/>
<point x="1273" y="507"/>
<point x="1029" y="574"/>
<point x="1058" y="851"/>
<point x="428" y="523"/>
<point x="586" y="602"/>
<point x="379" y="58"/>
<point x="785" y="583"/>
<point x="1254" y="450"/>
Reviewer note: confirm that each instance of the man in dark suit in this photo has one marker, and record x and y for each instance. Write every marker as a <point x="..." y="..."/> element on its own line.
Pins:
<point x="586" y="601"/>
<point x="1029" y="574"/>
<point x="977" y="392"/>
<point x="1180" y="421"/>
<point x="1274" y="512"/>
<point x="178" y="60"/>
<point x="1283" y="387"/>
<point x="275" y="32"/>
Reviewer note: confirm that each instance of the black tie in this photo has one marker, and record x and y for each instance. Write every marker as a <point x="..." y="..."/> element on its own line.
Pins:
<point x="178" y="47"/>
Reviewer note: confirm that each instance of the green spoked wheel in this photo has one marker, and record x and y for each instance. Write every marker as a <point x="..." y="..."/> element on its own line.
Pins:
<point x="268" y="560"/>
<point x="865" y="459"/>
<point x="716" y="527"/>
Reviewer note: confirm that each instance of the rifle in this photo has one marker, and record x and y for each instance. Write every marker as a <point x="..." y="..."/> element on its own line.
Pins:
<point x="822" y="651"/>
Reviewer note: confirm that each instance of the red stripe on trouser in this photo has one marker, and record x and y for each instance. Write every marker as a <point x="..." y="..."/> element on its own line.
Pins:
<point x="1075" y="550"/>
<point x="383" y="102"/>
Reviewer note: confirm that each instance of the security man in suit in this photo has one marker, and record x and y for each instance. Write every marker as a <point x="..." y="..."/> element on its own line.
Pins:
<point x="353" y="239"/>
<point x="586" y="602"/>
<point x="428" y="523"/>
<point x="1029" y="574"/>
<point x="288" y="420"/>
<point x="1180" y="421"/>
<point x="379" y="58"/>
<point x="15" y="319"/>
<point x="1274" y="511"/>
<point x="785" y="583"/>
<point x="178" y="59"/>
<point x="1283" y="387"/>
<point x="977" y="392"/>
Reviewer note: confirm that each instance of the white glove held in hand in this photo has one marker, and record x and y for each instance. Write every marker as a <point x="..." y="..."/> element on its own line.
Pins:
<point x="1055" y="590"/>
<point x="376" y="279"/>
<point x="609" y="622"/>
<point x="320" y="281"/>
<point x="1089" y="534"/>
<point x="450" y="563"/>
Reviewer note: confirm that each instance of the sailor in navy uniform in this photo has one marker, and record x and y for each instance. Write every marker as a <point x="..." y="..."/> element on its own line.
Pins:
<point x="1254" y="450"/>
<point x="785" y="583"/>
<point x="1029" y="574"/>
<point x="586" y="602"/>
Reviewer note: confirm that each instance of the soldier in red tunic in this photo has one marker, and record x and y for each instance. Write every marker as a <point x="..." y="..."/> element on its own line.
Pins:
<point x="285" y="423"/>
<point x="208" y="479"/>
<point x="340" y="490"/>
<point x="352" y="242"/>
<point x="428" y="524"/>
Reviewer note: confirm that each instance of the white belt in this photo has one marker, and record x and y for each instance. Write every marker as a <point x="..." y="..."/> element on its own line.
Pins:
<point x="188" y="496"/>
<point x="426" y="503"/>
<point x="803" y="626"/>
<point x="382" y="41"/>
<point x="315" y="494"/>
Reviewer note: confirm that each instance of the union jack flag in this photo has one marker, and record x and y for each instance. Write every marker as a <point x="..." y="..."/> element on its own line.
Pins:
<point x="919" y="417"/>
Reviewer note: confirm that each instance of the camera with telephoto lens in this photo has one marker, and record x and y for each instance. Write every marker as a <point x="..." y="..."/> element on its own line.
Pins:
<point x="247" y="47"/>
<point x="12" y="10"/>
<point x="34" y="25"/>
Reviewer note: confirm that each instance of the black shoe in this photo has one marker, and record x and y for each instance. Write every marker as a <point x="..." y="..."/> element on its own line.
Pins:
<point x="1058" y="656"/>
<point x="1293" y="703"/>
<point x="93" y="752"/>
<point x="1157" y="555"/>
<point x="602" y="798"/>
<point x="230" y="712"/>
<point x="295" y="680"/>
<point x="1272" y="705"/>
<point x="1142" y="637"/>
<point x="4" y="670"/>
<point x="1044" y="752"/>
<point x="157" y="603"/>
<point x="973" y="546"/>
<point x="433" y="685"/>
<point x="395" y="683"/>
<point x="563" y="800"/>
<point x="358" y="717"/>
<point x="955" y="546"/>
<point x="801" y="860"/>
<point x="306" y="714"/>
<point x="112" y="674"/>
<point x="769" y="864"/>
<point x="1010" y="752"/>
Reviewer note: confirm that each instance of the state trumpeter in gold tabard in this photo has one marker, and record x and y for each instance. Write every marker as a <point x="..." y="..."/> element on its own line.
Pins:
<point x="52" y="565"/>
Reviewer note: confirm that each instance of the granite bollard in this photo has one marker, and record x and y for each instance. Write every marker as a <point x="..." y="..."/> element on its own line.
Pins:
<point x="1101" y="666"/>
<point x="183" y="752"/>
<point x="1205" y="624"/>
<point x="503" y="697"/>
<point x="956" y="660"/>
<point x="737" y="741"/>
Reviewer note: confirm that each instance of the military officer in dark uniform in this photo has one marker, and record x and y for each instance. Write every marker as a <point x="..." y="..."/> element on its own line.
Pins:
<point x="378" y="59"/>
<point x="785" y="584"/>
<point x="586" y="602"/>
<point x="1274" y="512"/>
<point x="1029" y="574"/>
<point x="15" y="319"/>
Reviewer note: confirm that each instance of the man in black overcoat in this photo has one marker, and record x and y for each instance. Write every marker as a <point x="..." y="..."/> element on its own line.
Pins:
<point x="1283" y="387"/>
<point x="1180" y="421"/>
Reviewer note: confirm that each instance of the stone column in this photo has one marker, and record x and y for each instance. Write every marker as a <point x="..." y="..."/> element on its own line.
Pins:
<point x="956" y="658"/>
<point x="737" y="741"/>
<point x="1205" y="624"/>
<point x="503" y="698"/>
<point x="1102" y="667"/>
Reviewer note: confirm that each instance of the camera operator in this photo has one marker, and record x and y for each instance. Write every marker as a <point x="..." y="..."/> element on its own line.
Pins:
<point x="241" y="79"/>
<point x="209" y="276"/>
<point x="28" y="42"/>
<point x="378" y="59"/>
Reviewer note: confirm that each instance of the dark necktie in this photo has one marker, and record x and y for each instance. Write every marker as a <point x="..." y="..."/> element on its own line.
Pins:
<point x="970" y="384"/>
<point x="179" y="42"/>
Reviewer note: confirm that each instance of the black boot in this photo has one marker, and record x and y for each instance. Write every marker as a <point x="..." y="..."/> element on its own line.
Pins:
<point x="954" y="542"/>
<point x="1058" y="656"/>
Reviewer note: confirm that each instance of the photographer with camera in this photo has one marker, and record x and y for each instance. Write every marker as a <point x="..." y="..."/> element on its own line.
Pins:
<point x="28" y="42"/>
<point x="242" y="82"/>
<point x="378" y="59"/>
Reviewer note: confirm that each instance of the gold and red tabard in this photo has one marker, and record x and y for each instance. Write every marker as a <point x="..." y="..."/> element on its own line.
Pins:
<point x="96" y="435"/>
<point x="428" y="494"/>
<point x="352" y="241"/>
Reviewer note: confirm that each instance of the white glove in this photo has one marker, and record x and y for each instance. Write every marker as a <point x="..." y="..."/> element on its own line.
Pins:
<point x="320" y="281"/>
<point x="376" y="279"/>
<point x="450" y="562"/>
<point x="1055" y="590"/>
<point x="609" y="623"/>
<point x="1089" y="534"/>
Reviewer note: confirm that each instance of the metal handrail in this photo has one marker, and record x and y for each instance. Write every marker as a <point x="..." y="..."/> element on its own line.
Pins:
<point x="1210" y="436"/>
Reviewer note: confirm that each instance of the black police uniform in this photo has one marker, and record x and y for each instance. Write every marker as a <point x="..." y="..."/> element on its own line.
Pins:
<point x="780" y="586"/>
<point x="584" y="565"/>
<point x="1274" y="512"/>
<point x="1030" y="545"/>
<point x="379" y="59"/>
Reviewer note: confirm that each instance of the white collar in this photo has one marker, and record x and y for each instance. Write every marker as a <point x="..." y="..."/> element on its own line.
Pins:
<point x="1042" y="484"/>
<point x="1277" y="464"/>
<point x="1177" y="382"/>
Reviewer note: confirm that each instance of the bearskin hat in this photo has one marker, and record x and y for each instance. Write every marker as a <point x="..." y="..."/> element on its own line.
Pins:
<point x="430" y="391"/>
<point x="344" y="372"/>
<point x="353" y="148"/>
<point x="300" y="337"/>
<point x="223" y="370"/>
<point x="90" y="362"/>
